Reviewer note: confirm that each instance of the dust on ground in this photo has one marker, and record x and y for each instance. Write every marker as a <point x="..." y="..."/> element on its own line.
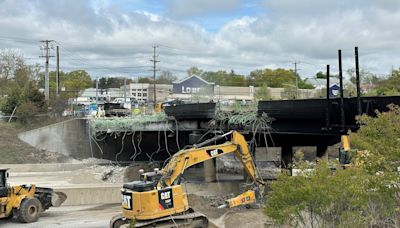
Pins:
<point x="105" y="171"/>
<point x="99" y="174"/>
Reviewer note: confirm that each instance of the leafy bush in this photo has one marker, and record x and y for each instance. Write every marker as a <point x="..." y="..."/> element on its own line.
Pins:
<point x="26" y="111"/>
<point x="346" y="198"/>
<point x="365" y="195"/>
<point x="11" y="101"/>
<point x="380" y="136"/>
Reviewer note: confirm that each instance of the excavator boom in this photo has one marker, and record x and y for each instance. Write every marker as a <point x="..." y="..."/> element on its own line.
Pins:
<point x="189" y="157"/>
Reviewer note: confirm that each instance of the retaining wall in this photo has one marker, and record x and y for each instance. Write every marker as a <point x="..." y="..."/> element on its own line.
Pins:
<point x="70" y="138"/>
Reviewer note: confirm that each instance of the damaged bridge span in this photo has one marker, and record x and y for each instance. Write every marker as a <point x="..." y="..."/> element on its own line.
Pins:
<point x="313" y="122"/>
<point x="294" y="123"/>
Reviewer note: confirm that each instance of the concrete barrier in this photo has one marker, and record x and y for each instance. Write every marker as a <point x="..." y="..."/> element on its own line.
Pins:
<point x="108" y="194"/>
<point x="48" y="167"/>
<point x="93" y="194"/>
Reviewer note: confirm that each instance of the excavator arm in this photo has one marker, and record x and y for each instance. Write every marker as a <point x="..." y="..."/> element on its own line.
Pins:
<point x="158" y="198"/>
<point x="184" y="159"/>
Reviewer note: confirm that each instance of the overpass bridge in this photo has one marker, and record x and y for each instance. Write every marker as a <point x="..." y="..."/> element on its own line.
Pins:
<point x="312" y="122"/>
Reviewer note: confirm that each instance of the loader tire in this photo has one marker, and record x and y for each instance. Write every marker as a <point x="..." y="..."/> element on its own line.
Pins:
<point x="29" y="210"/>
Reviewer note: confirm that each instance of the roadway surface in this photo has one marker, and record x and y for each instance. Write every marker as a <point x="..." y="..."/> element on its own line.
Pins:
<point x="85" y="216"/>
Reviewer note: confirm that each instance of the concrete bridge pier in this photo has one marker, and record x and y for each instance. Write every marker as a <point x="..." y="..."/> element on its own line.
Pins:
<point x="322" y="151"/>
<point x="287" y="155"/>
<point x="210" y="174"/>
<point x="209" y="167"/>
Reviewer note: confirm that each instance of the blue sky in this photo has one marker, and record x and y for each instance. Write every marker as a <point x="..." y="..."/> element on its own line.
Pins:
<point x="115" y="37"/>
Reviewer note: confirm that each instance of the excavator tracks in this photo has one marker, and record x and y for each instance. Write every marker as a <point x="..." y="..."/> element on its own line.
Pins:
<point x="188" y="219"/>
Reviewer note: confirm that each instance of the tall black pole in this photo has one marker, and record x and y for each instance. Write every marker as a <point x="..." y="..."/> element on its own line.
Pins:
<point x="359" y="108"/>
<point x="328" y="106"/>
<point x="342" y="118"/>
<point x="58" y="72"/>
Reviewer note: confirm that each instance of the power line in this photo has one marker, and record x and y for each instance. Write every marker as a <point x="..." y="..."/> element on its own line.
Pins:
<point x="18" y="39"/>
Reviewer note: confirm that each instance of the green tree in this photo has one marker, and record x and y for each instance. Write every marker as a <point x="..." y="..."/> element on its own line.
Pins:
<point x="366" y="77"/>
<point x="14" y="98"/>
<point x="145" y="80"/>
<point x="76" y="81"/>
<point x="392" y="82"/>
<point x="52" y="80"/>
<point x="111" y="82"/>
<point x="194" y="71"/>
<point x="277" y="78"/>
<point x="20" y="95"/>
<point x="263" y="93"/>
<point x="166" y="77"/>
<point x="224" y="78"/>
<point x="11" y="60"/>
<point x="18" y="85"/>
<point x="320" y="74"/>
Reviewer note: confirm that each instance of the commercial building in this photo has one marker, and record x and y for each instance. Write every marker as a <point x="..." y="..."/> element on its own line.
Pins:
<point x="191" y="89"/>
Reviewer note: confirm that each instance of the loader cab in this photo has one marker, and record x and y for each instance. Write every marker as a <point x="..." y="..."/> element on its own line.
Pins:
<point x="3" y="182"/>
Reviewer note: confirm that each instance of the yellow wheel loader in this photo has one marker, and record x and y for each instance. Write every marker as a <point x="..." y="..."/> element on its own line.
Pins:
<point x="26" y="202"/>
<point x="158" y="199"/>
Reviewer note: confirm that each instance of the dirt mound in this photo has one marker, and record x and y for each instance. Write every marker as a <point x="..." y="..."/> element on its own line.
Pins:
<point x="224" y="217"/>
<point x="15" y="151"/>
<point x="131" y="172"/>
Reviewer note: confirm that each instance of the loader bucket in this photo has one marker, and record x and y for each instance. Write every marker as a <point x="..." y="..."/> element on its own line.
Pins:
<point x="48" y="197"/>
<point x="57" y="198"/>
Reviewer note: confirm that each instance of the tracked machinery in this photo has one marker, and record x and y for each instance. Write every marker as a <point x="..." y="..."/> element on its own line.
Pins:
<point x="158" y="199"/>
<point x="26" y="202"/>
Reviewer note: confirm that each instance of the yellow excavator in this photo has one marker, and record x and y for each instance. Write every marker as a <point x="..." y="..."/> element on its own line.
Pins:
<point x="26" y="202"/>
<point x="158" y="199"/>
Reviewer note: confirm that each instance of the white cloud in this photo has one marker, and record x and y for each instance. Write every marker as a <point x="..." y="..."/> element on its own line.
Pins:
<point x="185" y="8"/>
<point x="102" y="35"/>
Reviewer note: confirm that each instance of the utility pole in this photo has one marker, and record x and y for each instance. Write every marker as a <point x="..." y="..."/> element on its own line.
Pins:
<point x="297" y="81"/>
<point x="155" y="61"/>
<point x="58" y="71"/>
<point x="47" y="56"/>
<point x="342" y="114"/>
<point x="359" y="107"/>
<point x="124" y="90"/>
<point x="97" y="90"/>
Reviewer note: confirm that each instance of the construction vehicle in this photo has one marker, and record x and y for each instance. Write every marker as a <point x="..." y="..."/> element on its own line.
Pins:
<point x="26" y="202"/>
<point x="160" y="105"/>
<point x="158" y="199"/>
<point x="115" y="110"/>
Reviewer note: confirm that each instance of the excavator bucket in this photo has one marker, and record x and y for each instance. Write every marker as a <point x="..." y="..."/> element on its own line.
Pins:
<point x="248" y="197"/>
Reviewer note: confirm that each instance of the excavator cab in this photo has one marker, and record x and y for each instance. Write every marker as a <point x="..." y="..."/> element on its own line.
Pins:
<point x="148" y="181"/>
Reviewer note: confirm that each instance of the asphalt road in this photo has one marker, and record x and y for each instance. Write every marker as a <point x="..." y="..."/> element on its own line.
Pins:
<point x="88" y="216"/>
